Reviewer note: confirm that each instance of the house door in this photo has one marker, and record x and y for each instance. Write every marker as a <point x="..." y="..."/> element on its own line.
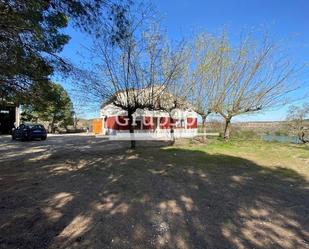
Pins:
<point x="97" y="126"/>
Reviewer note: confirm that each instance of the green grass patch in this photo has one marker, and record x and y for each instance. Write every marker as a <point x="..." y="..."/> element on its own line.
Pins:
<point x="289" y="158"/>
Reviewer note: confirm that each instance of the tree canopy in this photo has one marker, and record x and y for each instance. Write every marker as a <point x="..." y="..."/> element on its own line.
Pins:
<point x="131" y="71"/>
<point x="31" y="35"/>
<point x="298" y="121"/>
<point x="52" y="104"/>
<point x="249" y="77"/>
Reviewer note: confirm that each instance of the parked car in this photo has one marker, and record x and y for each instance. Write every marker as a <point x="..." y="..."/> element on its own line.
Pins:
<point x="29" y="132"/>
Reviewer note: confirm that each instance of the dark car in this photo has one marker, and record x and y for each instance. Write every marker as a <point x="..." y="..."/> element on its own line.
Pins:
<point x="29" y="132"/>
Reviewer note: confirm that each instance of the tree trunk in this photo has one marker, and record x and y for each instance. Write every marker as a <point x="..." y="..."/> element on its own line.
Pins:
<point x="172" y="132"/>
<point x="52" y="127"/>
<point x="131" y="129"/>
<point x="227" y="128"/>
<point x="204" y="127"/>
<point x="301" y="137"/>
<point x="75" y="123"/>
<point x="52" y="124"/>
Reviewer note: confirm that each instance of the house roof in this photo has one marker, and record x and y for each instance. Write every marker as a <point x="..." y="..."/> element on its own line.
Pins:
<point x="157" y="92"/>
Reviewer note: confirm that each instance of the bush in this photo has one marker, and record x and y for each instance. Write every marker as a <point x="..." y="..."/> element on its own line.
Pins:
<point x="245" y="134"/>
<point x="281" y="133"/>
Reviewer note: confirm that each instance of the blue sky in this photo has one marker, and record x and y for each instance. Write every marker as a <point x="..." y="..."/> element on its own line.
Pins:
<point x="286" y="20"/>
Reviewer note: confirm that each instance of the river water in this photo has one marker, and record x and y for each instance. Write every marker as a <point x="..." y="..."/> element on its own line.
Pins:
<point x="281" y="139"/>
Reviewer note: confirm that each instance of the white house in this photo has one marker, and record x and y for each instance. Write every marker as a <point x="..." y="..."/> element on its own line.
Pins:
<point x="115" y="121"/>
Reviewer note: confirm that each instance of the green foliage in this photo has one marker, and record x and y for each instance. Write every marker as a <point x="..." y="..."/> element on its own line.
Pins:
<point x="245" y="134"/>
<point x="249" y="134"/>
<point x="31" y="36"/>
<point x="51" y="104"/>
<point x="281" y="133"/>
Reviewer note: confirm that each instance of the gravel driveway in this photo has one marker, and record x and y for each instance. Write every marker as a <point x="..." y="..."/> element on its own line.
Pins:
<point x="79" y="191"/>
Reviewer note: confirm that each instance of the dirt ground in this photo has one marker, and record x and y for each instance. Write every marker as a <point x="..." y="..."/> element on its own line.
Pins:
<point x="86" y="192"/>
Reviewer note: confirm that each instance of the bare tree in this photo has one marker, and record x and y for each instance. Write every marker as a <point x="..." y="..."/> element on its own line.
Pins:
<point x="133" y="72"/>
<point x="247" y="78"/>
<point x="205" y="88"/>
<point x="176" y="94"/>
<point x="298" y="121"/>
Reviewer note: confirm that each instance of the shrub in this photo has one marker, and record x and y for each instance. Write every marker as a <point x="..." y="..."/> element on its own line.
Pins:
<point x="281" y="133"/>
<point x="245" y="134"/>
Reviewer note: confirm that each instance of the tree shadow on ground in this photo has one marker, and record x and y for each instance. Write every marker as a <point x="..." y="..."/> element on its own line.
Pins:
<point x="152" y="198"/>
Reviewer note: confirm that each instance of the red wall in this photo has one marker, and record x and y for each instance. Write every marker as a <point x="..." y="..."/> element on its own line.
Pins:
<point x="122" y="123"/>
<point x="111" y="123"/>
<point x="148" y="125"/>
<point x="191" y="123"/>
<point x="165" y="123"/>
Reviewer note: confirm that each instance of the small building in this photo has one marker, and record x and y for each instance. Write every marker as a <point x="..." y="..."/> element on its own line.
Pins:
<point x="9" y="117"/>
<point x="115" y="120"/>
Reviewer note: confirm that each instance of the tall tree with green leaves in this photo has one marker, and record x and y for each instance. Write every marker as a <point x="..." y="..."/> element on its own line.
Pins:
<point x="52" y="104"/>
<point x="31" y="35"/>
